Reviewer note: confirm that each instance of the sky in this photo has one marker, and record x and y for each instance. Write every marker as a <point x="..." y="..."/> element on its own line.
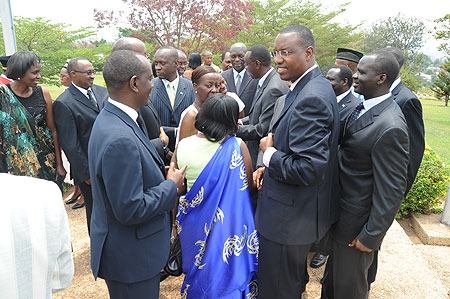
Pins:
<point x="79" y="13"/>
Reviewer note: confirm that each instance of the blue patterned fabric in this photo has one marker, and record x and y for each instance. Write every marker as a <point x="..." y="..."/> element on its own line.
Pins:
<point x="215" y="222"/>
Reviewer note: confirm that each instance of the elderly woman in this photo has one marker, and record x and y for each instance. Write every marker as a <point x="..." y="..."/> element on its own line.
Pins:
<point x="28" y="144"/>
<point x="215" y="219"/>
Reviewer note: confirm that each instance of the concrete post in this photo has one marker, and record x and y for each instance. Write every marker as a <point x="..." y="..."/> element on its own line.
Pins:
<point x="445" y="219"/>
<point x="8" y="27"/>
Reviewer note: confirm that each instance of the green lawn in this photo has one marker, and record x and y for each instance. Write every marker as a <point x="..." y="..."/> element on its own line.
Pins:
<point x="437" y="127"/>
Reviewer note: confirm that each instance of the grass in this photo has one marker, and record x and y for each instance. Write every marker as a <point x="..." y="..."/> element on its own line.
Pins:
<point x="436" y="117"/>
<point x="55" y="91"/>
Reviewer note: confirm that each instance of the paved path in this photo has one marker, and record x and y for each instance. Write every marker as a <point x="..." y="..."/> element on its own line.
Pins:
<point x="406" y="270"/>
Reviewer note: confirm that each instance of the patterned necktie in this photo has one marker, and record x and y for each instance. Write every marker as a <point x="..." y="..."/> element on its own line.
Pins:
<point x="238" y="83"/>
<point x="91" y="98"/>
<point x="355" y="114"/>
<point x="171" y="94"/>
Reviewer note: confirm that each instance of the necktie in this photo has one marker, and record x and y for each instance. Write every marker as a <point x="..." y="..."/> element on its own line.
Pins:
<point x="91" y="98"/>
<point x="238" y="83"/>
<point x="355" y="114"/>
<point x="171" y="94"/>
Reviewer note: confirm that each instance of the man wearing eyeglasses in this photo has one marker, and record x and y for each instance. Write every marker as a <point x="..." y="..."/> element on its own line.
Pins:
<point x="237" y="78"/>
<point x="75" y="111"/>
<point x="299" y="185"/>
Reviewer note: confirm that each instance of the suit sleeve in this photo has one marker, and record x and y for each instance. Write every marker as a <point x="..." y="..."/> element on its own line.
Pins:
<point x="159" y="146"/>
<point x="412" y="110"/>
<point x="389" y="163"/>
<point x="68" y="139"/>
<point x="310" y="130"/>
<point x="260" y="129"/>
<point x="123" y="179"/>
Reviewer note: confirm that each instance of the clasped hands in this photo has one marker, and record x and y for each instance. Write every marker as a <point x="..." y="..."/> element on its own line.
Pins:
<point x="258" y="174"/>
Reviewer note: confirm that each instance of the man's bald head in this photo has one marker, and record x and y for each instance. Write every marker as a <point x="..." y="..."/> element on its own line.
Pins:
<point x="130" y="44"/>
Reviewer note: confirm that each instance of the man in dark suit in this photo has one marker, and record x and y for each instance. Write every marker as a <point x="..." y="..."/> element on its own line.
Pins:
<point x="171" y="93"/>
<point x="148" y="119"/>
<point x="131" y="228"/>
<point x="75" y="111"/>
<point x="237" y="78"/>
<point x="373" y="160"/>
<point x="294" y="205"/>
<point x="270" y="87"/>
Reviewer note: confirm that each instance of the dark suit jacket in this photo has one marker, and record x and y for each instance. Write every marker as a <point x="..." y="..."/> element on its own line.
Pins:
<point x="148" y="121"/>
<point x="412" y="110"/>
<point x="346" y="107"/>
<point x="256" y="125"/>
<point x="130" y="226"/>
<point x="170" y="118"/>
<point x="373" y="160"/>
<point x="294" y="207"/>
<point x="74" y="116"/>
<point x="246" y="91"/>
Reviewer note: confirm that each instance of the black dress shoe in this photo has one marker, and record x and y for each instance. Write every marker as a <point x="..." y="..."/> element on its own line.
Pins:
<point x="318" y="260"/>
<point x="77" y="206"/>
<point x="73" y="200"/>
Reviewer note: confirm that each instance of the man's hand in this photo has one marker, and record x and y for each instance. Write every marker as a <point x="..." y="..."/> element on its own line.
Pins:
<point x="266" y="142"/>
<point x="177" y="175"/>
<point x="356" y="243"/>
<point x="88" y="181"/>
<point x="163" y="136"/>
<point x="258" y="177"/>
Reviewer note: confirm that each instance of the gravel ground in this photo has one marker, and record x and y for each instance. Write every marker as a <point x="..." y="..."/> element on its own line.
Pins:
<point x="433" y="258"/>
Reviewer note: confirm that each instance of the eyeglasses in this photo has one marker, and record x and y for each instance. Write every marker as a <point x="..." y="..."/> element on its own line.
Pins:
<point x="182" y="63"/>
<point x="282" y="53"/>
<point x="86" y="72"/>
<point x="247" y="64"/>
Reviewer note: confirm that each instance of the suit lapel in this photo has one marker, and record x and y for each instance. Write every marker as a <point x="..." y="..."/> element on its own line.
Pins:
<point x="180" y="93"/>
<point x="344" y="102"/>
<point x="100" y="100"/>
<point x="244" y="83"/>
<point x="77" y="95"/>
<point x="139" y="134"/>
<point x="258" y="95"/>
<point x="161" y="90"/>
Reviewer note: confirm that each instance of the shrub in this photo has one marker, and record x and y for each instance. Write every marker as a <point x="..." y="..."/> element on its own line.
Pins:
<point x="429" y="187"/>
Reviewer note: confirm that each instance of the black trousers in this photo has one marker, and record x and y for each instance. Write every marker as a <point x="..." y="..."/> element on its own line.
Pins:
<point x="86" y="190"/>
<point x="147" y="289"/>
<point x="281" y="270"/>
<point x="346" y="273"/>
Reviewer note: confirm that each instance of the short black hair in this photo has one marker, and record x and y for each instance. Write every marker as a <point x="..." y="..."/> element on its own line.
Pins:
<point x="195" y="60"/>
<point x="305" y="35"/>
<point x="120" y="67"/>
<point x="386" y="63"/>
<point x="261" y="53"/>
<point x="345" y="73"/>
<point x="398" y="54"/>
<point x="73" y="64"/>
<point x="173" y="52"/>
<point x="218" y="117"/>
<point x="19" y="63"/>
<point x="225" y="53"/>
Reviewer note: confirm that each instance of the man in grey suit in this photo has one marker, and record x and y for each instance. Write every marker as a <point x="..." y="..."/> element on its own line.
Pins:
<point x="373" y="161"/>
<point x="270" y="87"/>
<point x="171" y="93"/>
<point x="237" y="78"/>
<point x="75" y="111"/>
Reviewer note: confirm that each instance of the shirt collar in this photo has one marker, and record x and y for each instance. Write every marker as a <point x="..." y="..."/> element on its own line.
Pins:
<point x="342" y="95"/>
<point x="127" y="109"/>
<point x="263" y="78"/>
<point x="304" y="74"/>
<point x="368" y="104"/>
<point x="174" y="82"/>
<point x="395" y="83"/>
<point x="235" y="73"/>
<point x="81" y="89"/>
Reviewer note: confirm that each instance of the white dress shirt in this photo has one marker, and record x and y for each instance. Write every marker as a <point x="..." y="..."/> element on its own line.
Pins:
<point x="84" y="91"/>
<point x="241" y="74"/>
<point x="35" y="249"/>
<point x="342" y="95"/>
<point x="174" y="84"/>
<point x="127" y="109"/>
<point x="370" y="103"/>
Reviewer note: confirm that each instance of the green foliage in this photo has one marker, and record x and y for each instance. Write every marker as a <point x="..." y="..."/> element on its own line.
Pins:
<point x="271" y="16"/>
<point x="443" y="33"/>
<point x="54" y="43"/>
<point x="410" y="80"/>
<point x="429" y="187"/>
<point x="441" y="86"/>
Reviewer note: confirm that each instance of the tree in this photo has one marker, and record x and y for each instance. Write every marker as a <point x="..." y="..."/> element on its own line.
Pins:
<point x="55" y="44"/>
<point x="441" y="86"/>
<point x="443" y="33"/>
<point x="406" y="34"/>
<point x="272" y="16"/>
<point x="187" y="24"/>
